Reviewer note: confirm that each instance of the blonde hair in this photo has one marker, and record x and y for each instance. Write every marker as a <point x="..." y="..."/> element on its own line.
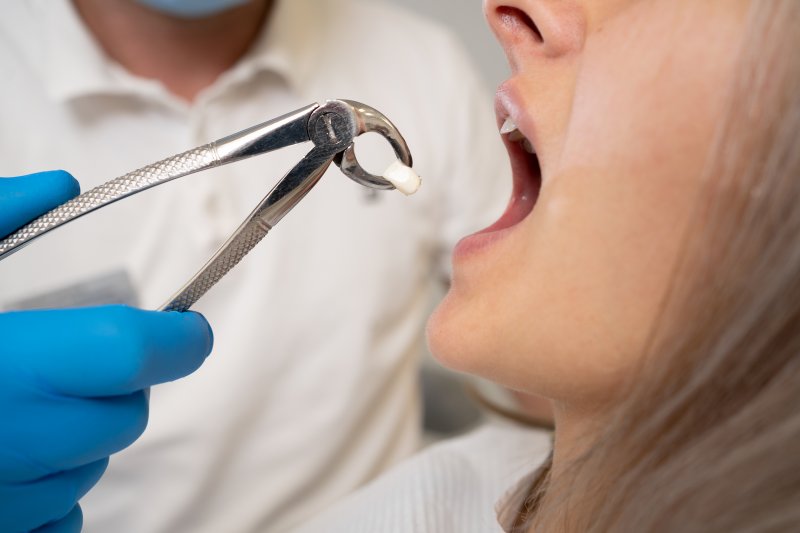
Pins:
<point x="708" y="437"/>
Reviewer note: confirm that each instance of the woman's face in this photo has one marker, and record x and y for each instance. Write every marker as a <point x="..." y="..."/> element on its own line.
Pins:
<point x="620" y="100"/>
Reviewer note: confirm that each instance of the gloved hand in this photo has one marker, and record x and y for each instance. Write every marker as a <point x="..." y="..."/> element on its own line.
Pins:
<point x="73" y="383"/>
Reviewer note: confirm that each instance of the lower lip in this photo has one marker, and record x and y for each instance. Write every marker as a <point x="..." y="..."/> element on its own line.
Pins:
<point x="523" y="199"/>
<point x="518" y="209"/>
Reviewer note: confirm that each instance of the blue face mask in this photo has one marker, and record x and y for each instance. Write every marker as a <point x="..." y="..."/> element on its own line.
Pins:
<point x="192" y="8"/>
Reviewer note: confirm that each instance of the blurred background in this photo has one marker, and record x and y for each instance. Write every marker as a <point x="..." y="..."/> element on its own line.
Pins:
<point x="465" y="18"/>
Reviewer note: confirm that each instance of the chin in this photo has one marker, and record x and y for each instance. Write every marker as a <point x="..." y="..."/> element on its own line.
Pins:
<point x="445" y="335"/>
<point x="463" y="337"/>
<point x="458" y="339"/>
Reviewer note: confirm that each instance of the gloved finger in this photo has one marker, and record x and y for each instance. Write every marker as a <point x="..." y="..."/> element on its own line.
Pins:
<point x="57" y="433"/>
<point x="106" y="351"/>
<point x="26" y="507"/>
<point x="26" y="197"/>
<point x="72" y="523"/>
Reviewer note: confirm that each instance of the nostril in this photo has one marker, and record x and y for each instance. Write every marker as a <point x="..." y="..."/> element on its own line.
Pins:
<point x="513" y="17"/>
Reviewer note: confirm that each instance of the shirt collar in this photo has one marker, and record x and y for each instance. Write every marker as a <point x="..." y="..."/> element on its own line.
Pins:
<point x="76" y="66"/>
<point x="289" y="45"/>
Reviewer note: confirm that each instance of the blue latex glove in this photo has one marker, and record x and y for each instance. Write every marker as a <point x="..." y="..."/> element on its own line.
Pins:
<point x="73" y="383"/>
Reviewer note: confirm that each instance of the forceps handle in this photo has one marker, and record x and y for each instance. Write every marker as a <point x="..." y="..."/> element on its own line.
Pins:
<point x="297" y="183"/>
<point x="278" y="133"/>
<point x="228" y="256"/>
<point x="189" y="162"/>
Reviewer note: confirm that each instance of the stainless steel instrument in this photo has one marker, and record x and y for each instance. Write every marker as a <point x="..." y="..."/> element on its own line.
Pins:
<point x="332" y="126"/>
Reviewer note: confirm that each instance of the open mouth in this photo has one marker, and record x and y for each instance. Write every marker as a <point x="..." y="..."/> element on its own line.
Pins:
<point x="527" y="173"/>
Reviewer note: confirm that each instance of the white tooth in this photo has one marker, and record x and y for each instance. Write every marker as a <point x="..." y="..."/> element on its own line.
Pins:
<point x="508" y="127"/>
<point x="403" y="178"/>
<point x="528" y="146"/>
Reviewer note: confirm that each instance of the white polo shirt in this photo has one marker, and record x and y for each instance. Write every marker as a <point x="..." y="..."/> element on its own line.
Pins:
<point x="311" y="390"/>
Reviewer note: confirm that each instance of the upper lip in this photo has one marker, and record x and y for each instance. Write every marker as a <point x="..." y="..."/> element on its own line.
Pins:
<point x="508" y="105"/>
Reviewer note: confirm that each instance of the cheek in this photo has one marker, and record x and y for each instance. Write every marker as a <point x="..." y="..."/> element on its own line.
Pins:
<point x="651" y="89"/>
<point x="564" y="305"/>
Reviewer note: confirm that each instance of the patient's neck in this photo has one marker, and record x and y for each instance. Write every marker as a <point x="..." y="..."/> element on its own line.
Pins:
<point x="576" y="431"/>
<point x="185" y="55"/>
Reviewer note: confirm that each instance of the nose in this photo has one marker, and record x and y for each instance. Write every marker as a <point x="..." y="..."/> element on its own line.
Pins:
<point x="537" y="29"/>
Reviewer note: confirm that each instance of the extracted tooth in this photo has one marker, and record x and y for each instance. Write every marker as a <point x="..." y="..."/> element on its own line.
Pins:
<point x="403" y="178"/>
<point x="528" y="146"/>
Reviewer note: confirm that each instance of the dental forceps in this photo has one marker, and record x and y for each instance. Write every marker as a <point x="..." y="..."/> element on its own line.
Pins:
<point x="331" y="126"/>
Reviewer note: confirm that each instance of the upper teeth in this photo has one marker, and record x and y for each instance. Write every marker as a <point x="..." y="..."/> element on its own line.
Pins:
<point x="511" y="130"/>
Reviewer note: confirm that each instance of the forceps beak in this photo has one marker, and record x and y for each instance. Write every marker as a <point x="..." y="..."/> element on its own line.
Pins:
<point x="367" y="119"/>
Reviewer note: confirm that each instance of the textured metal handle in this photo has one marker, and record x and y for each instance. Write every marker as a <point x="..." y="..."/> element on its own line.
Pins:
<point x="163" y="171"/>
<point x="228" y="256"/>
<point x="280" y="200"/>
